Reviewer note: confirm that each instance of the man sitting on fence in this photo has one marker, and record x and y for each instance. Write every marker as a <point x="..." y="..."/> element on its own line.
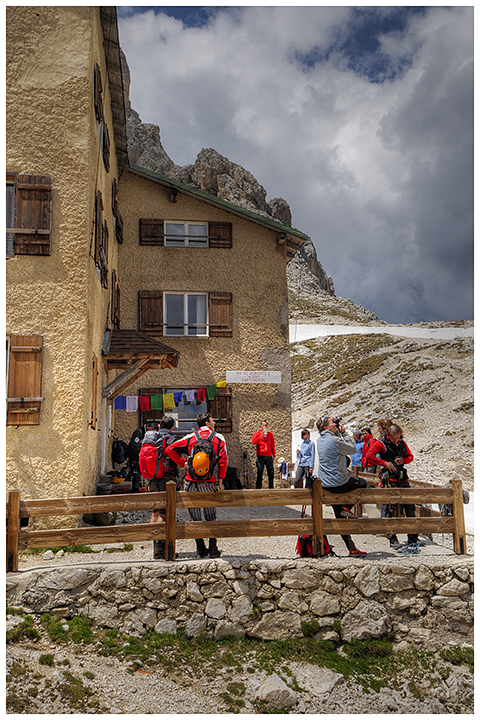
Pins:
<point x="333" y="446"/>
<point x="206" y="467"/>
<point x="392" y="454"/>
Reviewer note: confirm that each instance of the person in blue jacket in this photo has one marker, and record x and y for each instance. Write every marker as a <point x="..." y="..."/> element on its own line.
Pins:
<point x="306" y="459"/>
<point x="357" y="457"/>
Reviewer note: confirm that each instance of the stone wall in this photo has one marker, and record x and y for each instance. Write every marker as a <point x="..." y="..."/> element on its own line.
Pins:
<point x="422" y="602"/>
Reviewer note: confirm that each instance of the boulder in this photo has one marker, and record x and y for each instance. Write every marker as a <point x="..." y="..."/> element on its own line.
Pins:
<point x="367" y="620"/>
<point x="196" y="625"/>
<point x="276" y="693"/>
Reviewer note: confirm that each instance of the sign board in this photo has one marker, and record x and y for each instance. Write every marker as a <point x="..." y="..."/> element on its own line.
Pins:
<point x="254" y="376"/>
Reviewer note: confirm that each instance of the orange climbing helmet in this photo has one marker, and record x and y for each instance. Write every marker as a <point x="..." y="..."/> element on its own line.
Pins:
<point x="201" y="463"/>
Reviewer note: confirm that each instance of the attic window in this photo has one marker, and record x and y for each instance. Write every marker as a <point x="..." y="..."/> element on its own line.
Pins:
<point x="190" y="234"/>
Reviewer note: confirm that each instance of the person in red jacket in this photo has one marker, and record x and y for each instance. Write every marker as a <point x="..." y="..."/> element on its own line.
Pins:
<point x="184" y="447"/>
<point x="368" y="439"/>
<point x="392" y="454"/>
<point x="265" y="443"/>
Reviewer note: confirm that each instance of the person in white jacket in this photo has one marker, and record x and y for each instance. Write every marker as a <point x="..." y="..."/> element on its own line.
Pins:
<point x="333" y="446"/>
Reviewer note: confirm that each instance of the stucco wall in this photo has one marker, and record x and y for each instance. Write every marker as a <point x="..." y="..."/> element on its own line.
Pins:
<point x="253" y="270"/>
<point x="51" y="130"/>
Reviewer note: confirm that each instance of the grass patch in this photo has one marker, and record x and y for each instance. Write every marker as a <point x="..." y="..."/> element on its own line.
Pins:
<point x="67" y="549"/>
<point x="457" y="655"/>
<point x="74" y="691"/>
<point x="79" y="628"/>
<point x="126" y="548"/>
<point x="46" y="659"/>
<point x="23" y="631"/>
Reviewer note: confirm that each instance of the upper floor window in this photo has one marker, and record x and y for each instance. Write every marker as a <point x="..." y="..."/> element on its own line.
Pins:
<point x="172" y="233"/>
<point x="28" y="214"/>
<point x="185" y="314"/>
<point x="180" y="234"/>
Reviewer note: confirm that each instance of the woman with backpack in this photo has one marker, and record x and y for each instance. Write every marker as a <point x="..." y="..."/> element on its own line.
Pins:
<point x="392" y="454"/>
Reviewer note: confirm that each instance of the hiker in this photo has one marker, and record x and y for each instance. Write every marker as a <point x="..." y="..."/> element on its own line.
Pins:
<point x="265" y="443"/>
<point x="133" y="451"/>
<point x="367" y="438"/>
<point x="333" y="446"/>
<point x="392" y="454"/>
<point x="169" y="471"/>
<point x="306" y="459"/>
<point x="206" y="468"/>
<point x="357" y="457"/>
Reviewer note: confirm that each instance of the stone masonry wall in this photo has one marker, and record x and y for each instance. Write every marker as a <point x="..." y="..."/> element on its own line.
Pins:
<point x="422" y="602"/>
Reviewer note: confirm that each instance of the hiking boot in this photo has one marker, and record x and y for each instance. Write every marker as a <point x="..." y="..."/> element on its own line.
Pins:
<point x="213" y="550"/>
<point x="159" y="549"/>
<point x="357" y="552"/>
<point x="395" y="544"/>
<point x="346" y="513"/>
<point x="411" y="549"/>
<point x="201" y="548"/>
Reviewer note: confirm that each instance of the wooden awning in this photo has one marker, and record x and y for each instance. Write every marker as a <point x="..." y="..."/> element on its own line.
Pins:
<point x="135" y="353"/>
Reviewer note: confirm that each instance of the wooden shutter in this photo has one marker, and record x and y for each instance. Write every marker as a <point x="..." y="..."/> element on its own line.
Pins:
<point x="98" y="226"/>
<point x="33" y="213"/>
<point x="221" y="410"/>
<point x="106" y="147"/>
<point x="93" y="419"/>
<point x="220" y="234"/>
<point x="220" y="314"/>
<point x="150" y="309"/>
<point x="151" y="232"/>
<point x="97" y="93"/>
<point x="115" y="302"/>
<point x="118" y="225"/>
<point x="24" y="380"/>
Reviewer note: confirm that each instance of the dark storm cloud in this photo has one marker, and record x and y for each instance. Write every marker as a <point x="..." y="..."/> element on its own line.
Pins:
<point x="360" y="118"/>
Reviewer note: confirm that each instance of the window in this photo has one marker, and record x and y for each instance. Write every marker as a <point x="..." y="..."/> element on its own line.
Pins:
<point x="117" y="216"/>
<point x="104" y="139"/>
<point x="28" y="214"/>
<point x="24" y="384"/>
<point x="191" y="234"/>
<point x="185" y="415"/>
<point x="97" y="93"/>
<point x="115" y="303"/>
<point x="185" y="234"/>
<point x="101" y="241"/>
<point x="93" y="414"/>
<point x="185" y="314"/>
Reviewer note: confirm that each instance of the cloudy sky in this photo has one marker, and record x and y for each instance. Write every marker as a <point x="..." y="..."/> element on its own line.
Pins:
<point x="360" y="117"/>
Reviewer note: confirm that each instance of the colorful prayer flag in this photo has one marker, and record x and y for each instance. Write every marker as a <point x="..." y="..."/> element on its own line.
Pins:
<point x="132" y="403"/>
<point x="156" y="402"/>
<point x="211" y="392"/>
<point x="168" y="401"/>
<point x="120" y="403"/>
<point x="144" y="402"/>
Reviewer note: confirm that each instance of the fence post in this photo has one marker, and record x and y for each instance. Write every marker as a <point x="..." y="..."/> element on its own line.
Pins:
<point x="170" y="519"/>
<point x="459" y="542"/>
<point x="317" y="516"/>
<point x="13" y="525"/>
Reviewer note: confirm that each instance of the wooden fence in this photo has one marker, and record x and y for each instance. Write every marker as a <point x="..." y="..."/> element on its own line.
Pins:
<point x="316" y="525"/>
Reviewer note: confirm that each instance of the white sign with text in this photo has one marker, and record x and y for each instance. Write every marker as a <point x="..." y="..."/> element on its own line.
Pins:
<point x="254" y="376"/>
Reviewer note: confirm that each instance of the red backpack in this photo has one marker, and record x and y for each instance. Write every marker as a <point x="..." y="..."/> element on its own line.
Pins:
<point x="152" y="460"/>
<point x="304" y="547"/>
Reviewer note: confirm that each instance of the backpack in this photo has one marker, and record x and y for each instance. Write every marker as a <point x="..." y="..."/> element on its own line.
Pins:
<point x="119" y="448"/>
<point x="152" y="460"/>
<point x="204" y="445"/>
<point x="304" y="546"/>
<point x="366" y="446"/>
<point x="232" y="480"/>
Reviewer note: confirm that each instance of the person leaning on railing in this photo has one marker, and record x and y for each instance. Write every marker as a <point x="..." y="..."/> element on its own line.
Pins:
<point x="333" y="446"/>
<point x="392" y="454"/>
